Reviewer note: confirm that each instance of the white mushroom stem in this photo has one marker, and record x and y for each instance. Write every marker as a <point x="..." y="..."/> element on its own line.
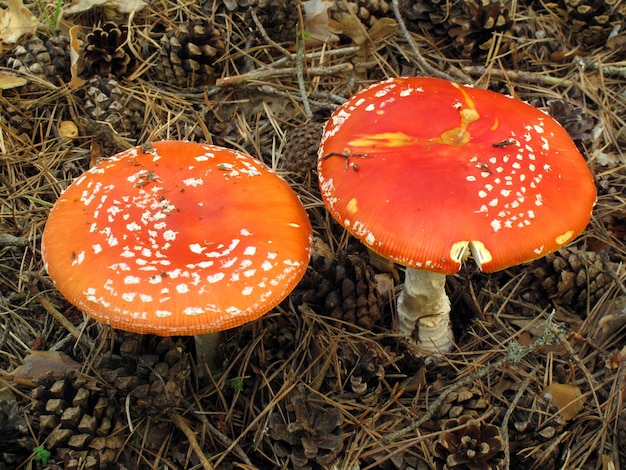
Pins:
<point x="424" y="302"/>
<point x="207" y="352"/>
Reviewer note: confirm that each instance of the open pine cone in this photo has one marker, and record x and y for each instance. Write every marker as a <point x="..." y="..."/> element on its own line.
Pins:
<point x="310" y="435"/>
<point x="476" y="445"/>
<point x="474" y="27"/>
<point x="106" y="50"/>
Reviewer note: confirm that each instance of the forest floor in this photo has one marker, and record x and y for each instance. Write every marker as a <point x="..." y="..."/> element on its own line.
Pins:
<point x="537" y="378"/>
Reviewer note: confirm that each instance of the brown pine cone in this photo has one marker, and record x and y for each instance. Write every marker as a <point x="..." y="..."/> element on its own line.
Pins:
<point x="106" y="51"/>
<point x="341" y="288"/>
<point x="188" y="55"/>
<point x="310" y="435"/>
<point x="429" y="15"/>
<point x="278" y="17"/>
<point x="578" y="126"/>
<point x="152" y="371"/>
<point x="476" y="445"/>
<point x="571" y="277"/>
<point x="474" y="27"/>
<point x="466" y="401"/>
<point x="108" y="102"/>
<point x="592" y="21"/>
<point x="368" y="11"/>
<point x="77" y="422"/>
<point x="16" y="444"/>
<point x="45" y="58"/>
<point x="299" y="158"/>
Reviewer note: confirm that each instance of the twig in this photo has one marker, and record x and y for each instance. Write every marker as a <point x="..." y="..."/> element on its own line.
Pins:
<point x="589" y="64"/>
<point x="266" y="37"/>
<point x="7" y="239"/>
<point x="516" y="353"/>
<point x="504" y="427"/>
<point x="227" y="441"/>
<point x="191" y="436"/>
<point x="300" y="74"/>
<point x="343" y="51"/>
<point x="265" y="74"/>
<point x="518" y="75"/>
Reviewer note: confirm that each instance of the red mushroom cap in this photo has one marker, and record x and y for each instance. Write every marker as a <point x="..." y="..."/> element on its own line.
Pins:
<point x="421" y="170"/>
<point x="177" y="239"/>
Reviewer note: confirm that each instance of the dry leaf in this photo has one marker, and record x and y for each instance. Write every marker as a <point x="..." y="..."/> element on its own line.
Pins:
<point x="317" y="24"/>
<point x="8" y="81"/>
<point x="76" y="62"/>
<point x="41" y="364"/>
<point x="15" y="22"/>
<point x="567" y="398"/>
<point x="111" y="7"/>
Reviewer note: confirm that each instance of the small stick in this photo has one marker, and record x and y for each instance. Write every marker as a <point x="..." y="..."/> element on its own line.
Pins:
<point x="519" y="75"/>
<point x="266" y="37"/>
<point x="504" y="427"/>
<point x="191" y="436"/>
<point x="265" y="74"/>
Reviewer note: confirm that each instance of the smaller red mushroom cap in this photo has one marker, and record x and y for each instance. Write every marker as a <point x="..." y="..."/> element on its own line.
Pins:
<point x="423" y="170"/>
<point x="177" y="239"/>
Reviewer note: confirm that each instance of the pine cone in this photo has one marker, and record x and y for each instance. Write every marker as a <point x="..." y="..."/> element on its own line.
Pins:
<point x="579" y="127"/>
<point x="45" y="58"/>
<point x="341" y="288"/>
<point x="187" y="57"/>
<point x="475" y="446"/>
<point x="474" y="28"/>
<point x="570" y="277"/>
<point x="465" y="401"/>
<point x="429" y="15"/>
<point x="16" y="444"/>
<point x="77" y="422"/>
<point x="152" y="371"/>
<point x="106" y="51"/>
<point x="310" y="434"/>
<point x="367" y="374"/>
<point x="106" y="101"/>
<point x="535" y="424"/>
<point x="368" y="11"/>
<point x="300" y="155"/>
<point x="591" y="21"/>
<point x="278" y="17"/>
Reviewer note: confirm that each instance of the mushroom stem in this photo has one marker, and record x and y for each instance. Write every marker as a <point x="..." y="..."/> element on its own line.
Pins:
<point x="424" y="302"/>
<point x="207" y="352"/>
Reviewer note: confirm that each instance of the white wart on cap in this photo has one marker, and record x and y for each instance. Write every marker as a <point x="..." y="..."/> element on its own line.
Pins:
<point x="177" y="239"/>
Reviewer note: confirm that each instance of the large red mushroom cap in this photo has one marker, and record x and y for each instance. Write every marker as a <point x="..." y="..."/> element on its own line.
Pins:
<point x="177" y="239"/>
<point x="423" y="170"/>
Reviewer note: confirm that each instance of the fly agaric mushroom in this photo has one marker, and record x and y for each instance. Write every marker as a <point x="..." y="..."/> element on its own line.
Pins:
<point x="424" y="171"/>
<point x="177" y="238"/>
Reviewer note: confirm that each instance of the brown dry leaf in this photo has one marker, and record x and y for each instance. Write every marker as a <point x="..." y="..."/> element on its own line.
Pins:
<point x="8" y="81"/>
<point x="15" y="22"/>
<point x="110" y="6"/>
<point x="41" y="364"/>
<point x="567" y="398"/>
<point x="76" y="63"/>
<point x="317" y="24"/>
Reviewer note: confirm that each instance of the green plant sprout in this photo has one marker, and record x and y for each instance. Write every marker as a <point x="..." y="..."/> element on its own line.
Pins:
<point x="53" y="22"/>
<point x="41" y="455"/>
